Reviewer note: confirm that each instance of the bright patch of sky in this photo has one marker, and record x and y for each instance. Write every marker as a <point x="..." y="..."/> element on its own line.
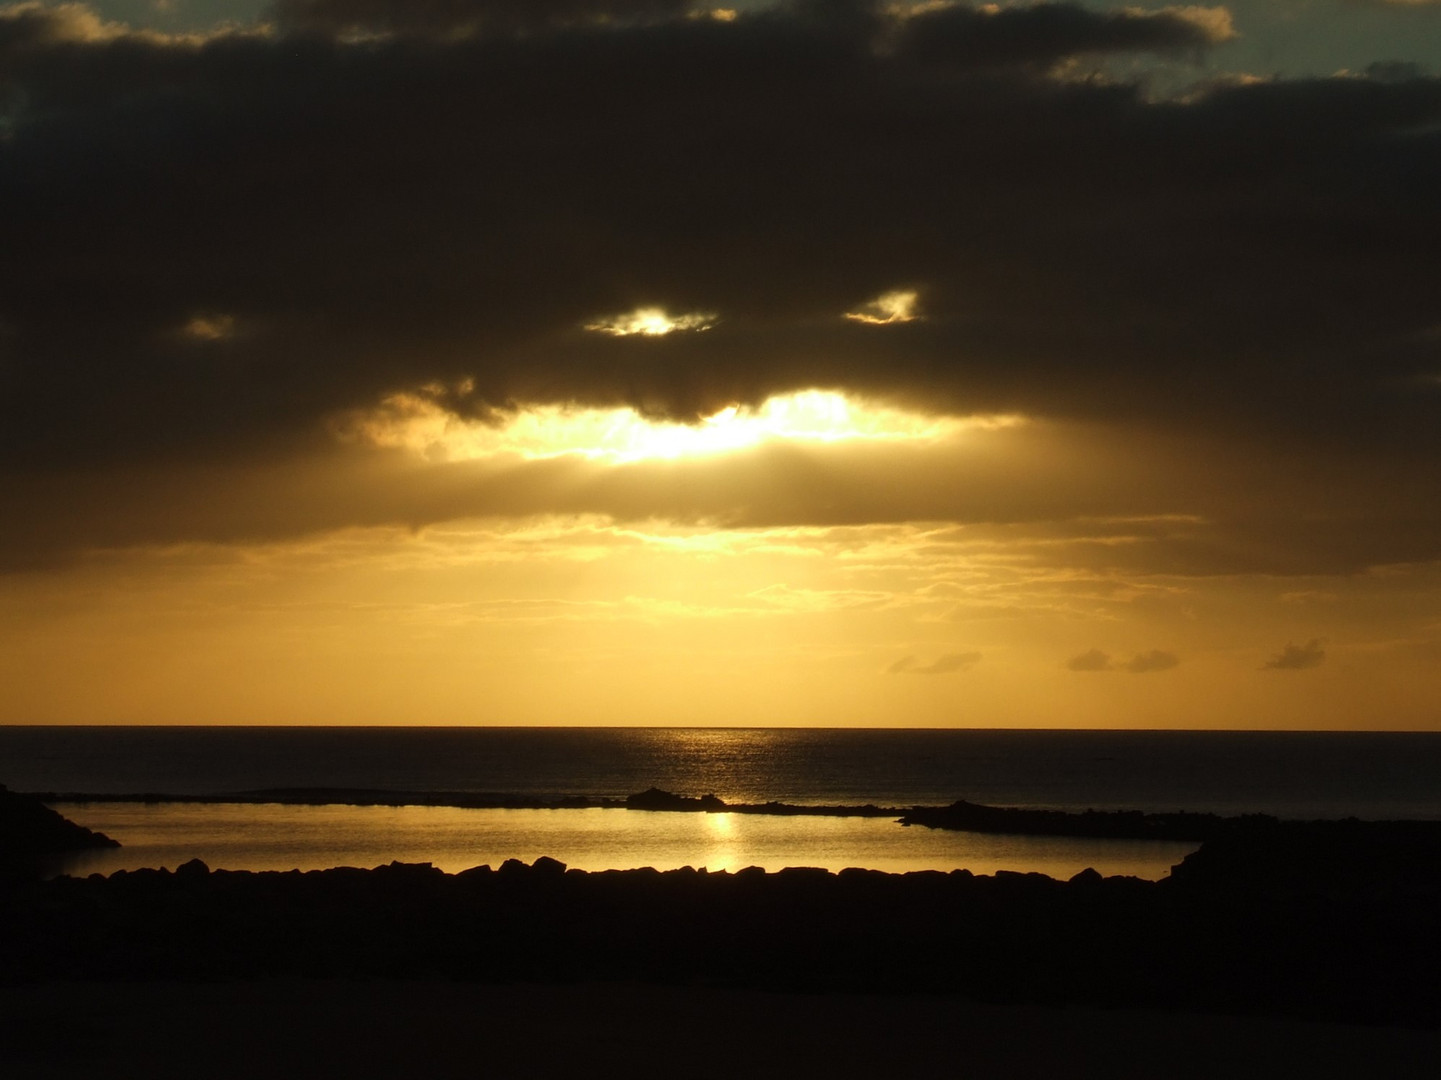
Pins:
<point x="1309" y="38"/>
<point x="181" y="16"/>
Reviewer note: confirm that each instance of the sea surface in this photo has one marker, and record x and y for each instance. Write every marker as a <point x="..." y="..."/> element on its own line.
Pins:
<point x="1290" y="775"/>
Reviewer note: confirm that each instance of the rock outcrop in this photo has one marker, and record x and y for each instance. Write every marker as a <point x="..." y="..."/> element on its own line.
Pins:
<point x="31" y="833"/>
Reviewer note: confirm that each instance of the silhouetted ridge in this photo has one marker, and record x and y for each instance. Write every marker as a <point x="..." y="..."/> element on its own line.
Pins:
<point x="30" y="831"/>
<point x="1382" y="860"/>
<point x="1112" y="824"/>
<point x="654" y="798"/>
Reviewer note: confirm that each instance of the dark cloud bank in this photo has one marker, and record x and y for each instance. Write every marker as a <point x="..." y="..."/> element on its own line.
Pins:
<point x="212" y="246"/>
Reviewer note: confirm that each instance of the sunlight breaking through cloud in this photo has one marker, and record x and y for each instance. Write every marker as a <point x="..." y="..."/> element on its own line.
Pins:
<point x="898" y="306"/>
<point x="419" y="423"/>
<point x="650" y="322"/>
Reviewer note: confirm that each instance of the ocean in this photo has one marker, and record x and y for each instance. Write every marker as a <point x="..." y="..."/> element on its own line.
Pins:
<point x="1287" y="774"/>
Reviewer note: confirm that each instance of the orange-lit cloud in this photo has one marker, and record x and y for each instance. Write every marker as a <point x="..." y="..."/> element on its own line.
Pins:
<point x="421" y="423"/>
<point x="650" y="322"/>
<point x="891" y="307"/>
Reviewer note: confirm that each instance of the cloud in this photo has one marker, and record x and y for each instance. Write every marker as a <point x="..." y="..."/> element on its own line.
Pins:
<point x="1297" y="657"/>
<point x="946" y="664"/>
<point x="1091" y="660"/>
<point x="1037" y="495"/>
<point x="1043" y="34"/>
<point x="1140" y="664"/>
<point x="650" y="321"/>
<point x="216" y="247"/>
<point x="1155" y="660"/>
<point x="37" y="25"/>
<point x="899" y="305"/>
<point x="1396" y="71"/>
<point x="457" y="18"/>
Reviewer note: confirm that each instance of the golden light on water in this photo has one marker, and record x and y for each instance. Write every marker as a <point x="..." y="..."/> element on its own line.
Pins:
<point x="280" y="837"/>
<point x="419" y="423"/>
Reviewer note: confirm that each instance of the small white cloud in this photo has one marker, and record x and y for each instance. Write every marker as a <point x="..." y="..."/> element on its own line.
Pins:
<point x="892" y="307"/>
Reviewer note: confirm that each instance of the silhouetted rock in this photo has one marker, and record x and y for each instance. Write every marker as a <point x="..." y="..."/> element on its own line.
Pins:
<point x="803" y="876"/>
<point x="1115" y="824"/>
<point x="1332" y="858"/>
<point x="654" y="798"/>
<point x="29" y="827"/>
<point x="31" y="834"/>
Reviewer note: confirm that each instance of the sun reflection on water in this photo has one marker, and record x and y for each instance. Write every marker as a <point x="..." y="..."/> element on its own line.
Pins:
<point x="279" y="837"/>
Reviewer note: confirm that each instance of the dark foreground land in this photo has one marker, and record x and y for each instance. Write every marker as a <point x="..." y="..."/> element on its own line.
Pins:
<point x="1331" y="922"/>
<point x="1261" y="935"/>
<point x="362" y="1029"/>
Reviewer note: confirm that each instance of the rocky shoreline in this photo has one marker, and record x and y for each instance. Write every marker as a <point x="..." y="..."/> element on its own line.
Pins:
<point x="31" y="833"/>
<point x="960" y="815"/>
<point x="1323" y="920"/>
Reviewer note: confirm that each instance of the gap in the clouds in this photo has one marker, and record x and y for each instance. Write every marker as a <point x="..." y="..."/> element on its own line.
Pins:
<point x="420" y="421"/>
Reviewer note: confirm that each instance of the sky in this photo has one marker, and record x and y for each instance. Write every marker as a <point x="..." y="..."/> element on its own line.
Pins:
<point x="642" y="362"/>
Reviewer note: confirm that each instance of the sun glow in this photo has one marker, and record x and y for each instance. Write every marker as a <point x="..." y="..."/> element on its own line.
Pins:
<point x="650" y="322"/>
<point x="420" y="423"/>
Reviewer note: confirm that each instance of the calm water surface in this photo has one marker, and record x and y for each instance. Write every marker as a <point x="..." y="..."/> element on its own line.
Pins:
<point x="275" y="837"/>
<point x="1288" y="774"/>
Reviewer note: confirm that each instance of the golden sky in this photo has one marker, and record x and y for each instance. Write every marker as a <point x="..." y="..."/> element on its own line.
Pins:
<point x="848" y="364"/>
